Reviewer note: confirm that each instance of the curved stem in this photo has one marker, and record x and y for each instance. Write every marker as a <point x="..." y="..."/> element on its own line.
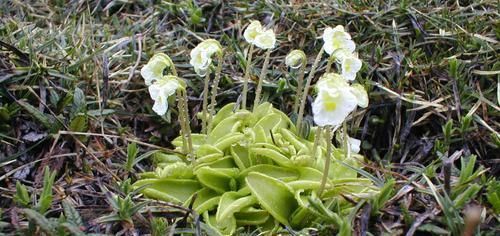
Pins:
<point x="172" y="66"/>
<point x="329" y="64"/>
<point x="204" y="119"/>
<point x="215" y="87"/>
<point x="306" y="90"/>
<point x="328" y="137"/>
<point x="263" y="73"/>
<point x="247" y="74"/>
<point x="300" y="84"/>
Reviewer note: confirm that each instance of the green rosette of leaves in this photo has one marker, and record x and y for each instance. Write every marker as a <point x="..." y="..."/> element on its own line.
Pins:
<point x="253" y="170"/>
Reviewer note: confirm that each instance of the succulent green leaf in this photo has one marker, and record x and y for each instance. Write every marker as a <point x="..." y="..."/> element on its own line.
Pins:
<point x="176" y="190"/>
<point x="281" y="173"/>
<point x="293" y="139"/>
<point x="197" y="139"/>
<point x="232" y="202"/>
<point x="241" y="156"/>
<point x="260" y="134"/>
<point x="273" y="195"/>
<point x="271" y="123"/>
<point x="279" y="158"/>
<point x="228" y="140"/>
<point x="206" y="200"/>
<point x="219" y="180"/>
<point x="207" y="149"/>
<point x="223" y="113"/>
<point x="263" y="110"/>
<point x="224" y="128"/>
<point x="251" y="216"/>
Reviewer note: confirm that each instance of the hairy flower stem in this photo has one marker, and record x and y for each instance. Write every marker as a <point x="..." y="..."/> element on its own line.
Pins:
<point x="306" y="90"/>
<point x="329" y="64"/>
<point x="300" y="84"/>
<point x="180" y="108"/>
<point x="204" y="120"/>
<point x="317" y="139"/>
<point x="263" y="73"/>
<point x="328" y="137"/>
<point x="215" y="88"/>
<point x="185" y="127"/>
<point x="247" y="75"/>
<point x="345" y="140"/>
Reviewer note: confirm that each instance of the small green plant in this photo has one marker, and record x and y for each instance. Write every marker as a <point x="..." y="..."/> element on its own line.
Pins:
<point x="159" y="226"/>
<point x="132" y="152"/>
<point x="463" y="190"/>
<point x="44" y="202"/>
<point x="493" y="194"/>
<point x="124" y="209"/>
<point x="69" y="222"/>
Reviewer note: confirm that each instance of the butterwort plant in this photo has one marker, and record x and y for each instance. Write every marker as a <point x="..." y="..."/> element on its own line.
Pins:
<point x="253" y="168"/>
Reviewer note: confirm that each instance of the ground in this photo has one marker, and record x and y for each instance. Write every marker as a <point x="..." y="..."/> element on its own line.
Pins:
<point x="72" y="99"/>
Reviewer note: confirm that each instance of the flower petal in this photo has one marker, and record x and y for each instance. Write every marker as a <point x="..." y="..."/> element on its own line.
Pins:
<point x="253" y="29"/>
<point x="359" y="91"/>
<point x="354" y="144"/>
<point x="265" y="40"/>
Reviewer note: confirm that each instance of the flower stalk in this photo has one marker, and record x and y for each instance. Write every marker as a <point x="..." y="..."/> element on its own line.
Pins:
<point x="215" y="88"/>
<point x="184" y="121"/>
<point x="263" y="73"/>
<point x="204" y="120"/>
<point x="247" y="75"/>
<point x="328" y="137"/>
<point x="329" y="64"/>
<point x="181" y="118"/>
<point x="306" y="90"/>
<point x="300" y="85"/>
<point x="317" y="138"/>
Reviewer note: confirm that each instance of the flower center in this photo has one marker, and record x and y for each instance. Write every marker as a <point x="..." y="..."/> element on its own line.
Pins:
<point x="330" y="101"/>
<point x="330" y="105"/>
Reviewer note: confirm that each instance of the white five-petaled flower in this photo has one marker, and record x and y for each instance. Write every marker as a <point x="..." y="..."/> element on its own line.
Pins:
<point x="350" y="66"/>
<point x="201" y="55"/>
<point x="334" y="102"/>
<point x="295" y="58"/>
<point x="337" y="42"/>
<point x="256" y="35"/>
<point x="253" y="29"/>
<point x="153" y="70"/>
<point x="266" y="39"/>
<point x="160" y="90"/>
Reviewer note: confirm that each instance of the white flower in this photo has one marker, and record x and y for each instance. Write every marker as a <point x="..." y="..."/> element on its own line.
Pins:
<point x="295" y="58"/>
<point x="359" y="91"/>
<point x="253" y="29"/>
<point x="350" y="66"/>
<point x="201" y="55"/>
<point x="153" y="70"/>
<point x="160" y="90"/>
<point x="334" y="102"/>
<point x="354" y="144"/>
<point x="200" y="60"/>
<point x="266" y="39"/>
<point x="336" y="40"/>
